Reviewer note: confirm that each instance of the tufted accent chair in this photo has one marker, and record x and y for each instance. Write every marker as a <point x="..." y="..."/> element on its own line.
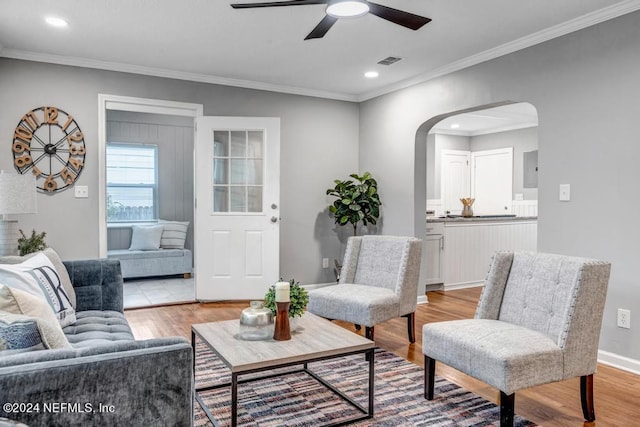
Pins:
<point x="538" y="321"/>
<point x="378" y="281"/>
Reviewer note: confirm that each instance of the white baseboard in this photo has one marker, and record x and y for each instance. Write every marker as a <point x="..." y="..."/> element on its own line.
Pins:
<point x="620" y="362"/>
<point x="422" y="299"/>
<point x="463" y="285"/>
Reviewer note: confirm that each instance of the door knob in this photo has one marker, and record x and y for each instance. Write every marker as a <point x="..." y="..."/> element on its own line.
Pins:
<point x="274" y="219"/>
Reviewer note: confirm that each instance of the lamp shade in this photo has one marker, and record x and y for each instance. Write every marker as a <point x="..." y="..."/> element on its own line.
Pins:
<point x="17" y="193"/>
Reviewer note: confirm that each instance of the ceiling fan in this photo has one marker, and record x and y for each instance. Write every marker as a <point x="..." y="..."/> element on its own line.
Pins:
<point x="346" y="8"/>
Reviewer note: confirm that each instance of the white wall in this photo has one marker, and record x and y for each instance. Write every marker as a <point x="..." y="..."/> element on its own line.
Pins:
<point x="319" y="143"/>
<point x="585" y="88"/>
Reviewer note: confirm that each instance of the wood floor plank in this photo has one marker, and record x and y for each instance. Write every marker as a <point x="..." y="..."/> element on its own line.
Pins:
<point x="558" y="404"/>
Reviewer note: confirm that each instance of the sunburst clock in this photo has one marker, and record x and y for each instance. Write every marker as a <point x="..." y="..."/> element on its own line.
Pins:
<point x="49" y="143"/>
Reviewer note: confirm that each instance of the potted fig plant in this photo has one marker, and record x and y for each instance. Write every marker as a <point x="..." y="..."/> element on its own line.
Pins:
<point x="355" y="201"/>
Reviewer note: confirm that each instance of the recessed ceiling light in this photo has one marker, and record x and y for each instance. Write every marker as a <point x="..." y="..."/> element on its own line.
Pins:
<point x="455" y="126"/>
<point x="56" y="22"/>
<point x="371" y="74"/>
<point x="347" y="8"/>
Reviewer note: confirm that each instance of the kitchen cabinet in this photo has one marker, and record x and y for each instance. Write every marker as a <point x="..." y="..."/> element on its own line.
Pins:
<point x="434" y="247"/>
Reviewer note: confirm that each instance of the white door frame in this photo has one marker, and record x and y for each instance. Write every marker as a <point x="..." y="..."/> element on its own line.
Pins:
<point x="132" y="104"/>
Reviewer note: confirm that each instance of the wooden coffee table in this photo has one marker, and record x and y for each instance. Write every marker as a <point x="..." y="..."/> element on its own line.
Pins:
<point x="315" y="339"/>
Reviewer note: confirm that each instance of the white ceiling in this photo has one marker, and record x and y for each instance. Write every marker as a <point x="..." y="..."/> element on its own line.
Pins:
<point x="491" y="120"/>
<point x="208" y="41"/>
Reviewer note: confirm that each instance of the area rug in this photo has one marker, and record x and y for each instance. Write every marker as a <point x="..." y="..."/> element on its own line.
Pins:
<point x="299" y="400"/>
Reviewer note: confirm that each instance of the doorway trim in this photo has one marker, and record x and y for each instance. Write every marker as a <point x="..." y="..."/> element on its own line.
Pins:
<point x="132" y="104"/>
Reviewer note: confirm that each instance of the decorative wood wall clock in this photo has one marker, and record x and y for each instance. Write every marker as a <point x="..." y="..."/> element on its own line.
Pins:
<point x="49" y="143"/>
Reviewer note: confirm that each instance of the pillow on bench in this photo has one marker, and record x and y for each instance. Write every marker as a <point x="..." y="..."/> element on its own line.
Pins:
<point x="173" y="234"/>
<point x="146" y="237"/>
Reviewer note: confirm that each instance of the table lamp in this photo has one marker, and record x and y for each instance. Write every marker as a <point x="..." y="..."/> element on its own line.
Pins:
<point x="17" y="196"/>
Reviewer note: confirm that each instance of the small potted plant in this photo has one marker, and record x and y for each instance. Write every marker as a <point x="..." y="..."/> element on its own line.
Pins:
<point x="34" y="243"/>
<point x="299" y="299"/>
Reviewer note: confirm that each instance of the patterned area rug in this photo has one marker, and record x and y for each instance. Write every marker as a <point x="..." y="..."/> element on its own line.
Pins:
<point x="298" y="400"/>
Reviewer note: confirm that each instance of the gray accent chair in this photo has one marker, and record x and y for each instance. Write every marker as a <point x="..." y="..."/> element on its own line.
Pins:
<point x="538" y="321"/>
<point x="378" y="282"/>
<point x="144" y="382"/>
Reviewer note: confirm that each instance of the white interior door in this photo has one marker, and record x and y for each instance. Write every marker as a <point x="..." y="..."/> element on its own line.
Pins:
<point x="492" y="181"/>
<point x="237" y="207"/>
<point x="455" y="179"/>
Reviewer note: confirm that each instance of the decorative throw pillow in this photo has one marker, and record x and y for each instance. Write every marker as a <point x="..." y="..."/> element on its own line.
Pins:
<point x="20" y="302"/>
<point x="38" y="276"/>
<point x="173" y="234"/>
<point x="146" y="237"/>
<point x="57" y="263"/>
<point x="18" y="334"/>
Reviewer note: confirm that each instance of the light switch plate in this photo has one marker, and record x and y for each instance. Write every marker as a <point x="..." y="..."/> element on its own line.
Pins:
<point x="565" y="192"/>
<point x="82" y="191"/>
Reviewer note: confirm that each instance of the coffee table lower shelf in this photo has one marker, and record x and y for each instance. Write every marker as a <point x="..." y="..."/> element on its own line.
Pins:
<point x="366" y="413"/>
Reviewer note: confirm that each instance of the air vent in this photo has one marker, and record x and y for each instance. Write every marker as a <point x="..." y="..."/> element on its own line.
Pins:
<point x="389" y="60"/>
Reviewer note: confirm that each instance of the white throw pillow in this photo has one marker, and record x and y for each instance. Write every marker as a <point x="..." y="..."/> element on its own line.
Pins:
<point x="39" y="277"/>
<point x="146" y="237"/>
<point x="20" y="302"/>
<point x="174" y="234"/>
<point x="57" y="263"/>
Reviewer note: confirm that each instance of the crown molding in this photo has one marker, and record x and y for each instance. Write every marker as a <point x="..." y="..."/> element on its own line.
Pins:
<point x="170" y="74"/>
<point x="584" y="21"/>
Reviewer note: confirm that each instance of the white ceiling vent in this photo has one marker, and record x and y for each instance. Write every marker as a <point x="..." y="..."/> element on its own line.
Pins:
<point x="389" y="60"/>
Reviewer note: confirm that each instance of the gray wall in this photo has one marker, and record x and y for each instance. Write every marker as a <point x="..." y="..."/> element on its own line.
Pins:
<point x="585" y="88"/>
<point x="319" y="143"/>
<point x="522" y="140"/>
<point x="173" y="136"/>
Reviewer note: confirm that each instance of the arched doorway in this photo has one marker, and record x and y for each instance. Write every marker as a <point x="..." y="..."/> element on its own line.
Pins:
<point x="482" y="135"/>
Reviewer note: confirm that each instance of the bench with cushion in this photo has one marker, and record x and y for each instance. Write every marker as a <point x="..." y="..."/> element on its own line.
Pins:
<point x="155" y="250"/>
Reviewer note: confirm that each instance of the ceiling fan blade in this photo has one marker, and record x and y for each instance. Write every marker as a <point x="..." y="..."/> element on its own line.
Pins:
<point x="278" y="3"/>
<point x="321" y="29"/>
<point x="406" y="19"/>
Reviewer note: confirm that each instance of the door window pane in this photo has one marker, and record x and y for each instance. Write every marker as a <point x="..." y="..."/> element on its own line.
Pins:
<point x="220" y="199"/>
<point x="238" y="144"/>
<point x="238" y="171"/>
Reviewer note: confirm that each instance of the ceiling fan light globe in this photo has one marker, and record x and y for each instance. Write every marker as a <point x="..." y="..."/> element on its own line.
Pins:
<point x="347" y="8"/>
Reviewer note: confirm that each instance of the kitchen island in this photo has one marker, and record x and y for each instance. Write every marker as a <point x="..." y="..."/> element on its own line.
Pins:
<point x="459" y="250"/>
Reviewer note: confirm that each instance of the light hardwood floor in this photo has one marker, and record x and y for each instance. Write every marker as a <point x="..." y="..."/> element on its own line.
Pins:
<point x="617" y="393"/>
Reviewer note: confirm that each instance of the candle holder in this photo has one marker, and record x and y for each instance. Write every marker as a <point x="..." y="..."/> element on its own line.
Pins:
<point x="282" y="330"/>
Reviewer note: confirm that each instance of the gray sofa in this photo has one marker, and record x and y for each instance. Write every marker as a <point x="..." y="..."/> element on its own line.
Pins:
<point x="107" y="377"/>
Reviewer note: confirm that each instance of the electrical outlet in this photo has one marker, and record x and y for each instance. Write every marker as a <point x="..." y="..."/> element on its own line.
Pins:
<point x="624" y="318"/>
<point x="81" y="191"/>
<point x="325" y="262"/>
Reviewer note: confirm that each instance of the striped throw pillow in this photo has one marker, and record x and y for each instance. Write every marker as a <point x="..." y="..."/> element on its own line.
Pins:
<point x="174" y="234"/>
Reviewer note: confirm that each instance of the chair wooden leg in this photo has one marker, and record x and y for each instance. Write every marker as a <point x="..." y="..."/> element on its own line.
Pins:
<point x="368" y="332"/>
<point x="586" y="396"/>
<point x="507" y="404"/>
<point x="411" y="326"/>
<point x="429" y="377"/>
<point x="358" y="327"/>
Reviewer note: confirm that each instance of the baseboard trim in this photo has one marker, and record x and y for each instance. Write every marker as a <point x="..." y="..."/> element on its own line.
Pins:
<point x="463" y="285"/>
<point x="422" y="299"/>
<point x="620" y="362"/>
